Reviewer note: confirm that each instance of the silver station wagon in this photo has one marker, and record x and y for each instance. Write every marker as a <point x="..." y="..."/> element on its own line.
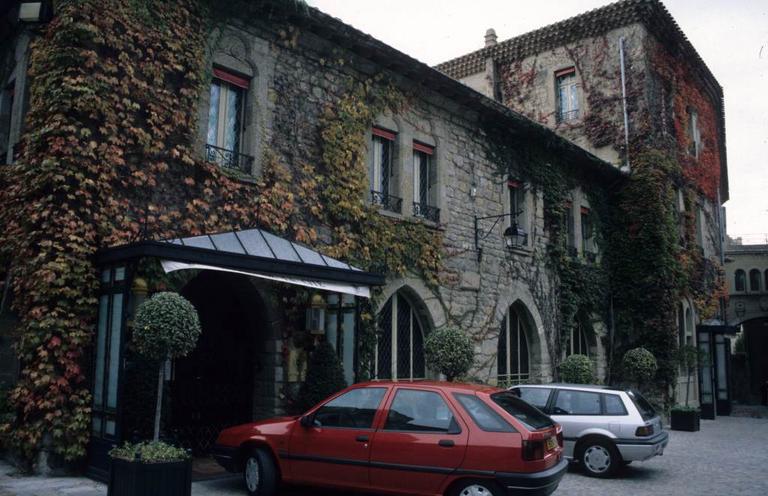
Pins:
<point x="603" y="427"/>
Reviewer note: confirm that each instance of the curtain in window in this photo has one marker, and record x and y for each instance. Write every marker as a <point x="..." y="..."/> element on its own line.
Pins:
<point x="381" y="169"/>
<point x="224" y="115"/>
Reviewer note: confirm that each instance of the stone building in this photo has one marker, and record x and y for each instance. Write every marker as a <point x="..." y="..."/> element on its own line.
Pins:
<point x="618" y="81"/>
<point x="746" y="269"/>
<point x="298" y="180"/>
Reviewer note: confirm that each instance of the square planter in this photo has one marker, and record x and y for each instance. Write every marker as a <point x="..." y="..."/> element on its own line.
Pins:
<point x="136" y="478"/>
<point x="684" y="420"/>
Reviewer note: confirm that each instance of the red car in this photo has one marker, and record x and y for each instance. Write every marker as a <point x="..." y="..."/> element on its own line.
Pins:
<point x="426" y="438"/>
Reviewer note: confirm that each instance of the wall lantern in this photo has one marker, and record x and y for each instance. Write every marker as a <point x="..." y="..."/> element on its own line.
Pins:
<point x="514" y="235"/>
<point x="316" y="315"/>
<point x="473" y="189"/>
<point x="33" y="12"/>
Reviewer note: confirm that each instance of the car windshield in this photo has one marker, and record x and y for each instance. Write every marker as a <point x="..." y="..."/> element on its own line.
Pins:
<point x="645" y="408"/>
<point x="532" y="418"/>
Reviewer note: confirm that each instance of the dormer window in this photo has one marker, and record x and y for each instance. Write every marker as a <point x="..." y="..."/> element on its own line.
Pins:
<point x="226" y="121"/>
<point x="567" y="95"/>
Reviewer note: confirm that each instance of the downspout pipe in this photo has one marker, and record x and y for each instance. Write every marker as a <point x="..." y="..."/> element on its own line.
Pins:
<point x="624" y="101"/>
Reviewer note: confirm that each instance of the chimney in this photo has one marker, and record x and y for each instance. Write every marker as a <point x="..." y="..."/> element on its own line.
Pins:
<point x="490" y="38"/>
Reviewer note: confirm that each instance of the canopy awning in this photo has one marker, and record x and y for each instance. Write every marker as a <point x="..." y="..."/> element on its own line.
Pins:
<point x="252" y="252"/>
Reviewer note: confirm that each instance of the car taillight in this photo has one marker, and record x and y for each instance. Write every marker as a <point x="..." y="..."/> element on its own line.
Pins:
<point x="533" y="450"/>
<point x="644" y="430"/>
<point x="560" y="439"/>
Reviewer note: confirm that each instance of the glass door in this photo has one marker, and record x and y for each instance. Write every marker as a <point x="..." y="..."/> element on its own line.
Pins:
<point x="706" y="377"/>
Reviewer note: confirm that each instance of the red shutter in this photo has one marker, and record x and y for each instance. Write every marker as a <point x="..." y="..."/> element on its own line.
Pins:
<point x="234" y="79"/>
<point x="383" y="133"/>
<point x="565" y="72"/>
<point x="568" y="204"/>
<point x="513" y="183"/>
<point x="420" y="147"/>
<point x="585" y="210"/>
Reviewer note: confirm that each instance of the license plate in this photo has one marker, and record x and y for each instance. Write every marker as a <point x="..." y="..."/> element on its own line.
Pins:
<point x="551" y="443"/>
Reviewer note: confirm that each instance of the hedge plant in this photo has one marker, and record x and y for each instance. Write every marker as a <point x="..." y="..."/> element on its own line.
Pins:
<point x="166" y="326"/>
<point x="449" y="350"/>
<point x="577" y="369"/>
<point x="639" y="365"/>
<point x="325" y="376"/>
<point x="149" y="452"/>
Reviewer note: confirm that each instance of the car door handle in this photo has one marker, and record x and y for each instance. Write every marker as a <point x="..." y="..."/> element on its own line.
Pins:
<point x="361" y="439"/>
<point x="445" y="443"/>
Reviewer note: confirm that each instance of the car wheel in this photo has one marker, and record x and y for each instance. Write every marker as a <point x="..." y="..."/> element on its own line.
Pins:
<point x="476" y="488"/>
<point x="599" y="458"/>
<point x="260" y="474"/>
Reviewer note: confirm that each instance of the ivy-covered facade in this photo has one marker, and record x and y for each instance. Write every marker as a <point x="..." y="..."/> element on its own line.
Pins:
<point x="624" y="83"/>
<point x="144" y="123"/>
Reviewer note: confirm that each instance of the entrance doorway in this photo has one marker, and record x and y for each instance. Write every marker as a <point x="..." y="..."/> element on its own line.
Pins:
<point x="213" y="386"/>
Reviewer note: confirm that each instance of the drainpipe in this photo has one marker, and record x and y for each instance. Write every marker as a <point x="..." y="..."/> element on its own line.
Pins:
<point x="624" y="102"/>
<point x="721" y="237"/>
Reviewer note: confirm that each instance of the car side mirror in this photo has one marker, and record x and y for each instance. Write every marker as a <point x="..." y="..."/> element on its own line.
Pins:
<point x="307" y="421"/>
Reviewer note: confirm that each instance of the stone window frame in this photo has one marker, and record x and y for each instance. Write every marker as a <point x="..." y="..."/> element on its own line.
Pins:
<point x="694" y="133"/>
<point x="740" y="281"/>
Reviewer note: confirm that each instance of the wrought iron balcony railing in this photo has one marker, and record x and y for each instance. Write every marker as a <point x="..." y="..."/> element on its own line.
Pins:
<point x="425" y="211"/>
<point x="387" y="201"/>
<point x="229" y="159"/>
<point x="567" y="115"/>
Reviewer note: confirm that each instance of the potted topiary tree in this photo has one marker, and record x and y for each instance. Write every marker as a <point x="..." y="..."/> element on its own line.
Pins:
<point x="577" y="369"/>
<point x="686" y="417"/>
<point x="449" y="351"/>
<point x="325" y="376"/>
<point x="166" y="326"/>
<point x="639" y="366"/>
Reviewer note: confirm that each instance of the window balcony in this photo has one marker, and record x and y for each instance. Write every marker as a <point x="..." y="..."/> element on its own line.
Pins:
<point x="385" y="201"/>
<point x="568" y="115"/>
<point x="229" y="159"/>
<point x="426" y="211"/>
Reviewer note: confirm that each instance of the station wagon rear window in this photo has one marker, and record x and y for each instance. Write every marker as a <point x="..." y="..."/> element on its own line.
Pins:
<point x="530" y="417"/>
<point x="645" y="408"/>
<point x="485" y="418"/>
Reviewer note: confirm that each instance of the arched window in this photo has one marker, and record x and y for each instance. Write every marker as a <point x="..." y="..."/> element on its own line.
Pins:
<point x="400" y="344"/>
<point x="577" y="340"/>
<point x="741" y="280"/>
<point x="754" y="280"/>
<point x="513" y="358"/>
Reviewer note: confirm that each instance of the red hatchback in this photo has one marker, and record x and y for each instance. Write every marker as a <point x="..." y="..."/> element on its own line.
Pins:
<point x="426" y="438"/>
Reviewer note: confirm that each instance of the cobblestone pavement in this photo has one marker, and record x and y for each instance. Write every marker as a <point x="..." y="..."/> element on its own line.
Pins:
<point x="728" y="456"/>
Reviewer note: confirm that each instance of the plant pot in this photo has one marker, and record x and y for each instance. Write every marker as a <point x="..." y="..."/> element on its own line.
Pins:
<point x="136" y="478"/>
<point x="685" y="420"/>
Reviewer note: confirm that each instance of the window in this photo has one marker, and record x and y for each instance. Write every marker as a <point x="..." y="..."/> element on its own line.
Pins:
<point x="576" y="403"/>
<point x="646" y="410"/>
<point x="109" y="332"/>
<point x="381" y="172"/>
<point x="518" y="210"/>
<point x="421" y="411"/>
<point x="537" y="397"/>
<point x="340" y="324"/>
<point x="355" y="409"/>
<point x="513" y="360"/>
<point x="614" y="405"/>
<point x="6" y="114"/>
<point x="766" y="280"/>
<point x="529" y="416"/>
<point x="694" y="134"/>
<point x="425" y="183"/>
<point x="741" y="280"/>
<point x="226" y="122"/>
<point x="587" y="235"/>
<point x="577" y="340"/>
<point x="754" y="280"/>
<point x="569" y="229"/>
<point x="567" y="95"/>
<point x="400" y="343"/>
<point x="485" y="418"/>
<point x="699" y="226"/>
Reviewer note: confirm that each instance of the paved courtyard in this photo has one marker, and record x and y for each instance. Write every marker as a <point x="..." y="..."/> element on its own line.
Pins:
<point x="728" y="456"/>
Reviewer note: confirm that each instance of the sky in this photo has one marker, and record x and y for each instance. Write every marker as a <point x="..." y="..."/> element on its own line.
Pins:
<point x="730" y="35"/>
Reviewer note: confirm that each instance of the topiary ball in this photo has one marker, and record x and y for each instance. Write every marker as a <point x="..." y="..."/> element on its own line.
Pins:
<point x="639" y="365"/>
<point x="449" y="351"/>
<point x="166" y="326"/>
<point x="577" y="369"/>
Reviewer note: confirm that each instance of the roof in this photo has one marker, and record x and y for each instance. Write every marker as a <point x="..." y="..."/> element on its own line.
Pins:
<point x="584" y="387"/>
<point x="651" y="13"/>
<point x="368" y="47"/>
<point x="451" y="386"/>
<point x="253" y="250"/>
